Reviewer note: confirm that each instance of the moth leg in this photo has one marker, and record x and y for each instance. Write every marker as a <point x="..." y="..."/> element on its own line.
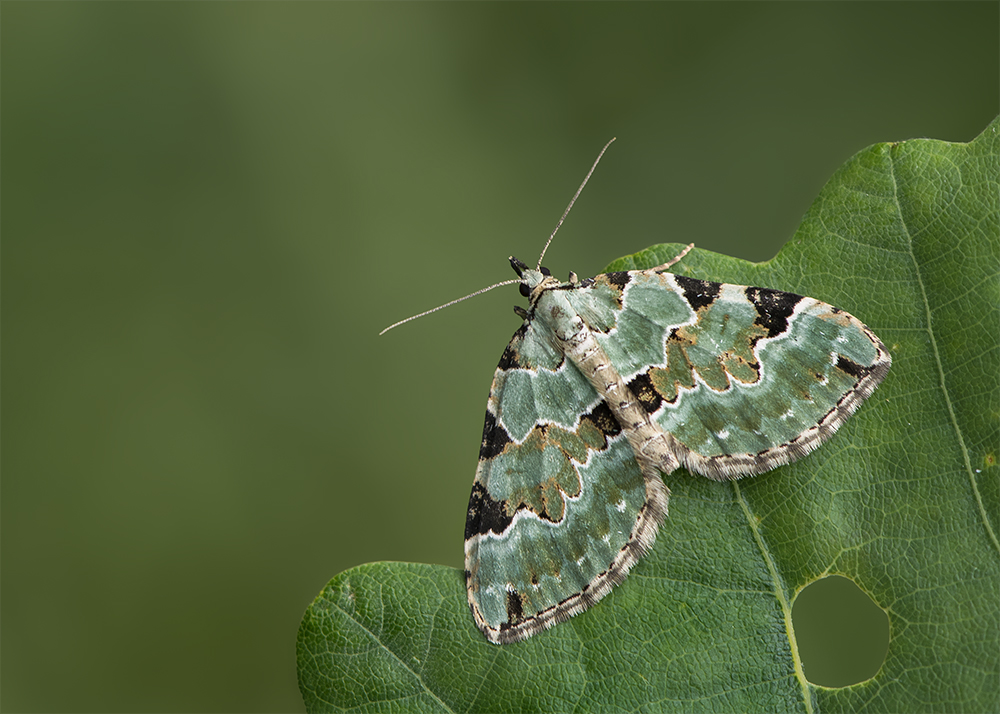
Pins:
<point x="675" y="259"/>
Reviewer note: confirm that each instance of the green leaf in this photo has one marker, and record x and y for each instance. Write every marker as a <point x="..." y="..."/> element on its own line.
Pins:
<point x="904" y="501"/>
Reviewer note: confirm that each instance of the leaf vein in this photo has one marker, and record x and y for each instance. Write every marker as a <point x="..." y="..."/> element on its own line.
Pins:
<point x="402" y="664"/>
<point x="940" y="366"/>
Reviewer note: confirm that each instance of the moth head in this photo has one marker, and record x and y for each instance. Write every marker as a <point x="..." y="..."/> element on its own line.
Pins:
<point x="531" y="279"/>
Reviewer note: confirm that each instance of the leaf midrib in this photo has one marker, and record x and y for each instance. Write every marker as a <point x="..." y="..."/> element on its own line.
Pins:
<point x="779" y="594"/>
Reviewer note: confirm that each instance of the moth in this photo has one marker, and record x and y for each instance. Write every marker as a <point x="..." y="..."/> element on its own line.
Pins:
<point x="610" y="382"/>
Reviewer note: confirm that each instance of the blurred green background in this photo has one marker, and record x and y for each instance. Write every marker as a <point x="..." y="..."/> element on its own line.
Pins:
<point x="210" y="210"/>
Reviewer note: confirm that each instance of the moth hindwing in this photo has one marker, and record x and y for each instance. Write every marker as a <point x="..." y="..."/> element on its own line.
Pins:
<point x="611" y="381"/>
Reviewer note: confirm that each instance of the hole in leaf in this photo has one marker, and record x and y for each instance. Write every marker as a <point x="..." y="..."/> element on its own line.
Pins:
<point x="842" y="635"/>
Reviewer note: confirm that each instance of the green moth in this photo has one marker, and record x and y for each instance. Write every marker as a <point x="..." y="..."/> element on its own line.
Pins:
<point x="610" y="382"/>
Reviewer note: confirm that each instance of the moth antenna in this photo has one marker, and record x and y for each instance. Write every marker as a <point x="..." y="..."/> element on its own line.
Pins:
<point x="449" y="304"/>
<point x="572" y="201"/>
<point x="675" y="259"/>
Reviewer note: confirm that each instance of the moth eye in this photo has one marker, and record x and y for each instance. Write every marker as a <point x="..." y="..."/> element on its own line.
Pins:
<point x="545" y="271"/>
<point x="524" y="290"/>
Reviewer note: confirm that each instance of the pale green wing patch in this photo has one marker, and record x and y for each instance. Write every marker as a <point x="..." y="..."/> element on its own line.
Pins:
<point x="633" y="338"/>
